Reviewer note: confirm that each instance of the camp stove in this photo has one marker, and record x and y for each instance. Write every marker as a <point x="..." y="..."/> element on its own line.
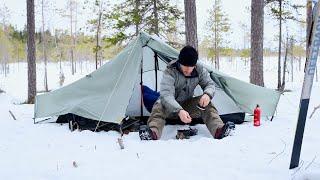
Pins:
<point x="186" y="133"/>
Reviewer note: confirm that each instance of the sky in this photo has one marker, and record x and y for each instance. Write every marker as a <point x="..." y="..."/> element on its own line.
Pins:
<point x="235" y="9"/>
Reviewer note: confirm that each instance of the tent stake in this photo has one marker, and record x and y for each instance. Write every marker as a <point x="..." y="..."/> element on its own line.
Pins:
<point x="40" y="121"/>
<point x="12" y="115"/>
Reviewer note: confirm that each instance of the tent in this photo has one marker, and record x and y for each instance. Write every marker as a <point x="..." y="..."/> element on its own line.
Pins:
<point x="113" y="91"/>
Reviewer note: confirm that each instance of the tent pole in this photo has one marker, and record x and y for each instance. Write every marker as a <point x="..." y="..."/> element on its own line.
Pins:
<point x="156" y="66"/>
<point x="141" y="86"/>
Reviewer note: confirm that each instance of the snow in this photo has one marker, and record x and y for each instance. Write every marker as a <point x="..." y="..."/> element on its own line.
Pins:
<point x="48" y="150"/>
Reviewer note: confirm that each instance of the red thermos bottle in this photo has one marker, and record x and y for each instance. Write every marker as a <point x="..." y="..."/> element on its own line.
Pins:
<point x="256" y="116"/>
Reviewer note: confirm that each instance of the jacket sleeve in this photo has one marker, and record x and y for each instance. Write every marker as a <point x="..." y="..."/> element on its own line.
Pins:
<point x="206" y="83"/>
<point x="167" y="92"/>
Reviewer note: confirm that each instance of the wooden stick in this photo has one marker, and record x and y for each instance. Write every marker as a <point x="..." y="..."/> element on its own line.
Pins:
<point x="314" y="110"/>
<point x="12" y="115"/>
<point x="120" y="142"/>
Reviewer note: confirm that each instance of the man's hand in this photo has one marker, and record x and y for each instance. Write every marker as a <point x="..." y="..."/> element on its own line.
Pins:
<point x="204" y="100"/>
<point x="184" y="116"/>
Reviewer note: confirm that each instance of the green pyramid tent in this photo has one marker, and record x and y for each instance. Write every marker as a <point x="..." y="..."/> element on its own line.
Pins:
<point x="114" y="90"/>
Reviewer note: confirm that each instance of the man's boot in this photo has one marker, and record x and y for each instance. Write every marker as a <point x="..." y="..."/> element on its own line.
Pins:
<point x="145" y="133"/>
<point x="224" y="130"/>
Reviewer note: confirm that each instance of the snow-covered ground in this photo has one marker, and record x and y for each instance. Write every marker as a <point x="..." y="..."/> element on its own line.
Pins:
<point x="51" y="151"/>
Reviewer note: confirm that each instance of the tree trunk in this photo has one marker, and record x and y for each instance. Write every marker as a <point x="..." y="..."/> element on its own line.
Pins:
<point x="317" y="74"/>
<point x="216" y="39"/>
<point x="285" y="66"/>
<point x="300" y="63"/>
<point x="279" y="48"/>
<point x="216" y="63"/>
<point x="72" y="42"/>
<point x="75" y="36"/>
<point x="18" y="56"/>
<point x="256" y="66"/>
<point x="98" y="39"/>
<point x="44" y="49"/>
<point x="308" y="30"/>
<point x="156" y="19"/>
<point x="32" y="88"/>
<point x="292" y="57"/>
<point x="191" y="23"/>
<point x="137" y="11"/>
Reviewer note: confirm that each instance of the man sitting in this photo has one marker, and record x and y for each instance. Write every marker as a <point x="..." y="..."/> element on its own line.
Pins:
<point x="176" y="98"/>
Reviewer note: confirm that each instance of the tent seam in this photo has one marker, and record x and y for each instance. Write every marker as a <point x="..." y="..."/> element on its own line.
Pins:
<point x="118" y="80"/>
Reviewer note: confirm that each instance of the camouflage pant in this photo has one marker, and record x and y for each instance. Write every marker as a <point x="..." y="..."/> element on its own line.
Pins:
<point x="210" y="116"/>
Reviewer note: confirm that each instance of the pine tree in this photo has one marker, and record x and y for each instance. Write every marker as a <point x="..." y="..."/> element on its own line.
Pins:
<point x="32" y="89"/>
<point x="256" y="67"/>
<point x="153" y="16"/>
<point x="70" y="12"/>
<point x="245" y="52"/>
<point x="282" y="10"/>
<point x="98" y="24"/>
<point x="191" y="23"/>
<point x="219" y="25"/>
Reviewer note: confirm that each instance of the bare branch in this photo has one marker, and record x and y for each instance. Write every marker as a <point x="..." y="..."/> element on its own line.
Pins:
<point x="314" y="110"/>
<point x="285" y="145"/>
<point x="310" y="163"/>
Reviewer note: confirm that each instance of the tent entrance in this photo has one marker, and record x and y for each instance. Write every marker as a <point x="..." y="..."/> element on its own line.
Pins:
<point x="152" y="66"/>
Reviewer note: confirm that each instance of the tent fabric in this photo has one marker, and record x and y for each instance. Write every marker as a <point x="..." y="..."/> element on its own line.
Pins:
<point x="113" y="91"/>
<point x="101" y="95"/>
<point x="247" y="95"/>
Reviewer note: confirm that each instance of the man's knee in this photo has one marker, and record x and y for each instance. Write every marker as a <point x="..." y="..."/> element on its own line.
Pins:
<point x="157" y="118"/>
<point x="157" y="111"/>
<point x="211" y="109"/>
<point x="210" y="113"/>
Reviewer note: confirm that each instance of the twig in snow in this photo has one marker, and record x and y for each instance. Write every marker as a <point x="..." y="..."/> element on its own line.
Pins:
<point x="314" y="110"/>
<point x="285" y="145"/>
<point x="310" y="163"/>
<point x="74" y="164"/>
<point x="120" y="142"/>
<point x="12" y="115"/>
<point x="298" y="169"/>
<point x="138" y="156"/>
